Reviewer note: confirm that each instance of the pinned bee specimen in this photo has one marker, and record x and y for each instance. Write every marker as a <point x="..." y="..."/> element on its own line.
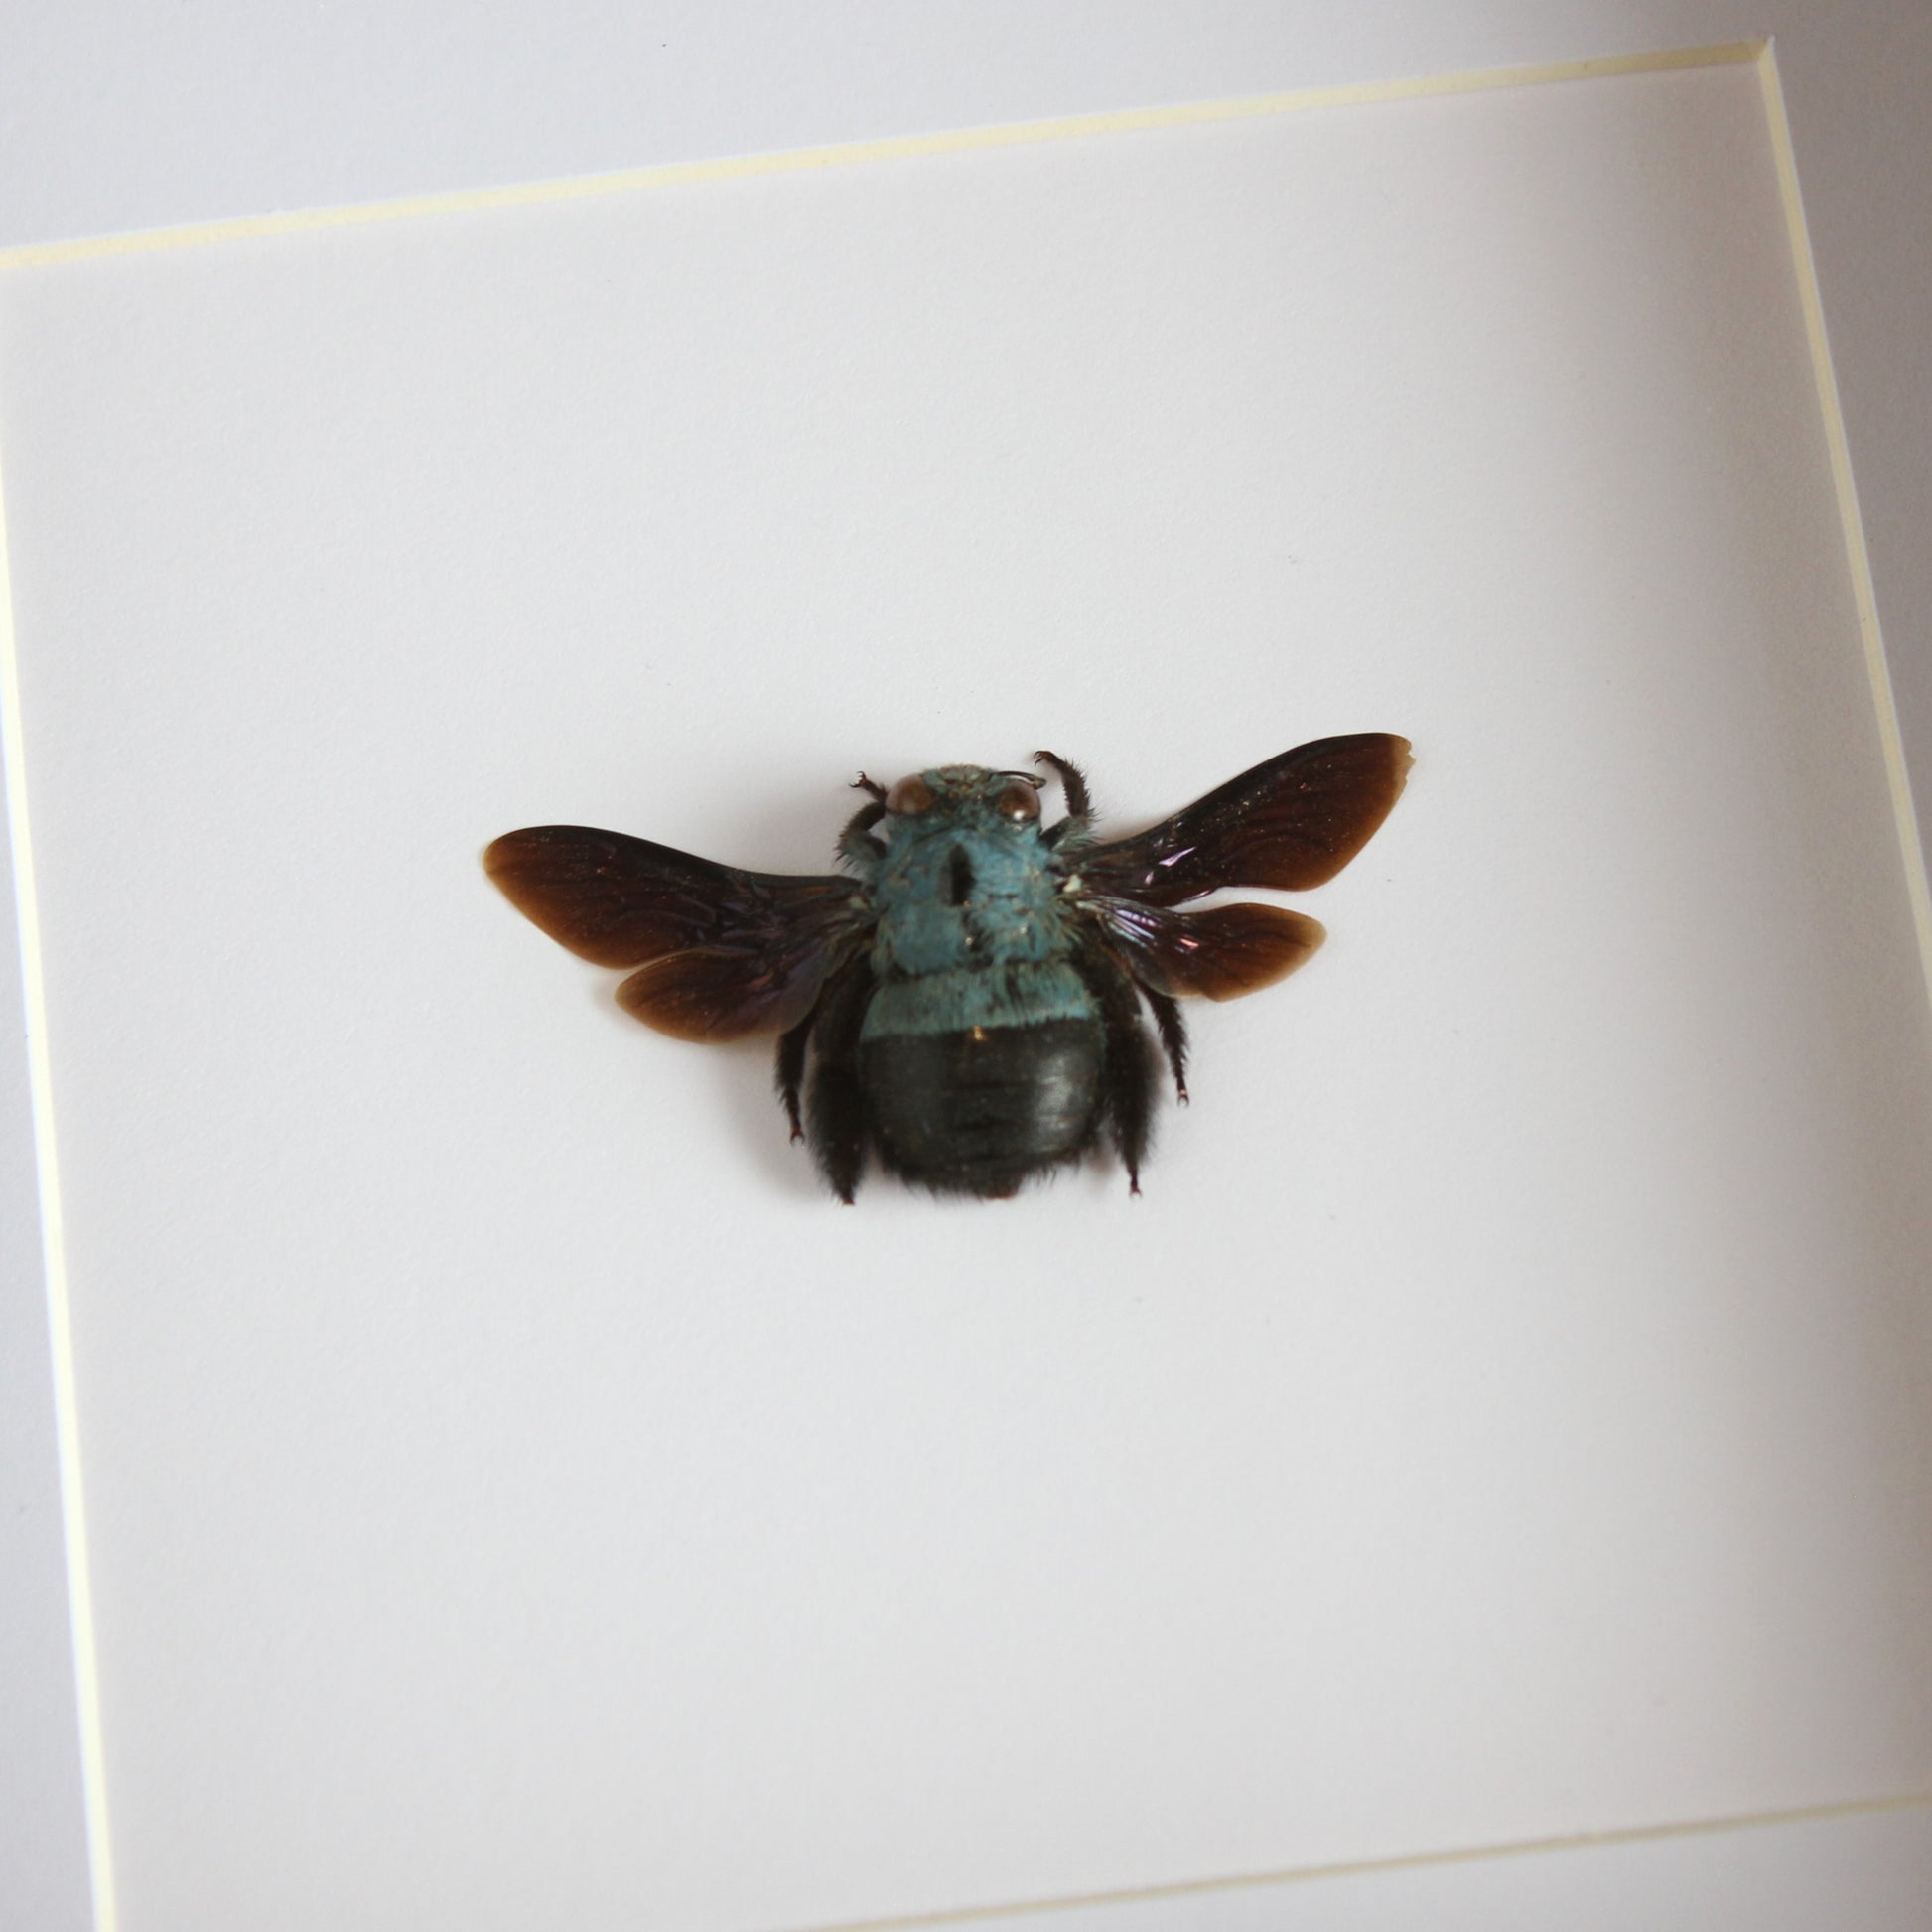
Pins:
<point x="963" y="1004"/>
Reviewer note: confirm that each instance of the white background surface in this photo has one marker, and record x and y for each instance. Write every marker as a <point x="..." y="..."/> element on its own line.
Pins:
<point x="781" y="821"/>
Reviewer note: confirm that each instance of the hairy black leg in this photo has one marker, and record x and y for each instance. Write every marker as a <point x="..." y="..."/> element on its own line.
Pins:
<point x="1127" y="1072"/>
<point x="1078" y="822"/>
<point x="1073" y="781"/>
<point x="1174" y="1036"/>
<point x="791" y="1071"/>
<point x="835" y="1105"/>
<point x="871" y="786"/>
<point x="855" y="842"/>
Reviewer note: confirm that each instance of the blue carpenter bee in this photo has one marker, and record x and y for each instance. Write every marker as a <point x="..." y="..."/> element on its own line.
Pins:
<point x="964" y="1002"/>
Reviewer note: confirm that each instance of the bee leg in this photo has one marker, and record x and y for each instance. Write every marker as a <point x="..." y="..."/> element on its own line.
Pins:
<point x="857" y="846"/>
<point x="835" y="1101"/>
<point x="791" y="1071"/>
<point x="1174" y="1036"/>
<point x="1126" y="1067"/>
<point x="1073" y="783"/>
<point x="1078" y="822"/>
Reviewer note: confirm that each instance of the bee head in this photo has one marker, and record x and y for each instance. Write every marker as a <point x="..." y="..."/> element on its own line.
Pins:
<point x="956" y="794"/>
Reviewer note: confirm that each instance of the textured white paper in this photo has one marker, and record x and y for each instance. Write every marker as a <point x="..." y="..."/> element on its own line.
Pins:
<point x="516" y="1494"/>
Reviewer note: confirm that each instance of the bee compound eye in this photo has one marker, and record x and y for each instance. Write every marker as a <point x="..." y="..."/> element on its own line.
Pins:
<point x="909" y="795"/>
<point x="1020" y="802"/>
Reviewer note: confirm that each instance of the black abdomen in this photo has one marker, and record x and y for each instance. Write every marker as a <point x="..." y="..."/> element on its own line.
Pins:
<point x="976" y="1112"/>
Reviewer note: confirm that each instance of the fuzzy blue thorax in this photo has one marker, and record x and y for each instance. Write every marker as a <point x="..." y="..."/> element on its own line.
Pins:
<point x="972" y="929"/>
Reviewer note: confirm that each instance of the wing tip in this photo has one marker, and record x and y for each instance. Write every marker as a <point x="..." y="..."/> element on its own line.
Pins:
<point x="502" y="855"/>
<point x="1293" y="938"/>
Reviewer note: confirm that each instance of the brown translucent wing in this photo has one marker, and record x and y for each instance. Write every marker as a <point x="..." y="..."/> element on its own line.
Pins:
<point x="1291" y="823"/>
<point x="724" y="953"/>
<point x="1219" y="954"/>
<point x="714" y="995"/>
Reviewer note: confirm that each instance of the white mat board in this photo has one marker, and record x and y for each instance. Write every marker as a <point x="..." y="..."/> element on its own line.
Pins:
<point x="515" y="1491"/>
